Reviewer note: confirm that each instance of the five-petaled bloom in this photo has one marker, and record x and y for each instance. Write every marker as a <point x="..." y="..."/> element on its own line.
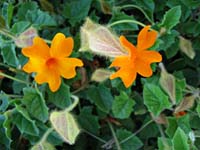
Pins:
<point x="49" y="63"/>
<point x="138" y="59"/>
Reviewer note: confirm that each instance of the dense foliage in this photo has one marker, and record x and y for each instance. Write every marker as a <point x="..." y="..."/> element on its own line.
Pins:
<point x="90" y="111"/>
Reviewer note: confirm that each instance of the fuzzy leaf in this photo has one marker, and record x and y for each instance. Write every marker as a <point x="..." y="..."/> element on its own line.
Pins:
<point x="171" y="18"/>
<point x="186" y="47"/>
<point x="122" y="106"/>
<point x="35" y="104"/>
<point x="64" y="123"/>
<point x="155" y="99"/>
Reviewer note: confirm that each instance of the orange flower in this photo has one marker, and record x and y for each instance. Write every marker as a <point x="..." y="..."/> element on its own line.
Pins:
<point x="139" y="58"/>
<point x="51" y="63"/>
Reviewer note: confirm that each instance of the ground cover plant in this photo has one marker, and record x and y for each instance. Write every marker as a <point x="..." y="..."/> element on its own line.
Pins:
<point x="100" y="74"/>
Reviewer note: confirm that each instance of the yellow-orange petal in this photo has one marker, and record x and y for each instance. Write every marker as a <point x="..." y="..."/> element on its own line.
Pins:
<point x="33" y="65"/>
<point x="38" y="49"/>
<point x="126" y="44"/>
<point x="146" y="38"/>
<point x="61" y="46"/>
<point x="150" y="56"/>
<point x="127" y="75"/>
<point x="51" y="77"/>
<point x="143" y="68"/>
<point x="120" y="61"/>
<point x="67" y="66"/>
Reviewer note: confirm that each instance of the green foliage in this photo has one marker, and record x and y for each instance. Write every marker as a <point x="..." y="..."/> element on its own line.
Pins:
<point x="155" y="99"/>
<point x="122" y="106"/>
<point x="158" y="112"/>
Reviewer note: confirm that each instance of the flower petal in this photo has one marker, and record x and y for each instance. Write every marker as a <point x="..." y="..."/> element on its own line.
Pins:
<point x="51" y="77"/>
<point x="39" y="49"/>
<point x="126" y="44"/>
<point x="33" y="65"/>
<point x="150" y="56"/>
<point x="61" y="46"/>
<point x="127" y="75"/>
<point x="120" y="61"/>
<point x="146" y="38"/>
<point x="66" y="67"/>
<point x="143" y="68"/>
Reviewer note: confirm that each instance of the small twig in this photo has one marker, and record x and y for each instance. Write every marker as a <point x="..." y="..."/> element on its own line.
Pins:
<point x="94" y="136"/>
<point x="114" y="136"/>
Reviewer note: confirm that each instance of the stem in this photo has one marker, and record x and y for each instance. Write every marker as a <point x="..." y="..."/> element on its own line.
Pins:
<point x="71" y="107"/>
<point x="137" y="7"/>
<point x="6" y="33"/>
<point x="94" y="136"/>
<point x="46" y="134"/>
<point x="12" y="78"/>
<point x="126" y="21"/>
<point x="114" y="136"/>
<point x="144" y="126"/>
<point x="47" y="41"/>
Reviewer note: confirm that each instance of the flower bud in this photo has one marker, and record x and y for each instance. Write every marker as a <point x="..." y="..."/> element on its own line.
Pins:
<point x="100" y="40"/>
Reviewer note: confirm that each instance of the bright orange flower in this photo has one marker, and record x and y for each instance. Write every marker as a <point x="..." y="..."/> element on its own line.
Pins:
<point x="50" y="63"/>
<point x="138" y="59"/>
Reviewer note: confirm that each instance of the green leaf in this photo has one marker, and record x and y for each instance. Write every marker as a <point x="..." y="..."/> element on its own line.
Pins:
<point x="171" y="18"/>
<point x="173" y="123"/>
<point x="61" y="98"/>
<point x="117" y="16"/>
<point x="88" y="121"/>
<point x="4" y="132"/>
<point x="9" y="54"/>
<point x="101" y="96"/>
<point x="35" y="104"/>
<point x="180" y="140"/>
<point x="164" y="144"/>
<point x="24" y="8"/>
<point x="20" y="26"/>
<point x="7" y="12"/>
<point x="64" y="123"/>
<point x="76" y="10"/>
<point x="132" y="143"/>
<point x="155" y="99"/>
<point x="17" y="86"/>
<point x="4" y="102"/>
<point x="23" y="122"/>
<point x="122" y="106"/>
<point x="40" y="19"/>
<point x="198" y="109"/>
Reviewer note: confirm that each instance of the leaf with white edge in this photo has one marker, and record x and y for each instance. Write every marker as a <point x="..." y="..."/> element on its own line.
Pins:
<point x="43" y="146"/>
<point x="4" y="130"/>
<point x="186" y="47"/>
<point x="23" y="121"/>
<point x="171" y="18"/>
<point x="4" y="102"/>
<point x="35" y="104"/>
<point x="180" y="140"/>
<point x="65" y="124"/>
<point x="155" y="99"/>
<point x="9" y="55"/>
<point x="167" y="82"/>
<point x="122" y="106"/>
<point x="133" y="143"/>
<point x="101" y="75"/>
